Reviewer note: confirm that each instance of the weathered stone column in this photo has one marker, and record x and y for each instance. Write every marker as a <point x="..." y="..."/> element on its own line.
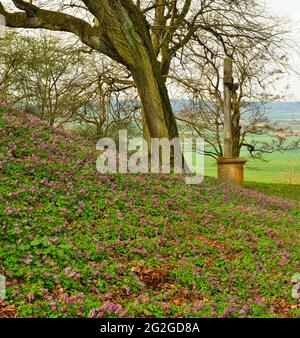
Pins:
<point x="228" y="85"/>
<point x="230" y="169"/>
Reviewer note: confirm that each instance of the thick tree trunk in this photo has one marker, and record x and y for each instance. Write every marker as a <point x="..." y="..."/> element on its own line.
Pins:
<point x="125" y="29"/>
<point x="236" y="142"/>
<point x="158" y="117"/>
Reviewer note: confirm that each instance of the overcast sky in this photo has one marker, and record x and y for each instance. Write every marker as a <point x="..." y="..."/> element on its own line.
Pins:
<point x="290" y="9"/>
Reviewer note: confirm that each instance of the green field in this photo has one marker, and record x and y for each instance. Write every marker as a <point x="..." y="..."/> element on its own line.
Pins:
<point x="280" y="175"/>
<point x="279" y="168"/>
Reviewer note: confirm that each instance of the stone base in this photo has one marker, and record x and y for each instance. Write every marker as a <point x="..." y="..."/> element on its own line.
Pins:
<point x="231" y="170"/>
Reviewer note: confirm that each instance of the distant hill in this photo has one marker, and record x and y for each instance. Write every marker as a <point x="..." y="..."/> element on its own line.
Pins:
<point x="283" y="113"/>
<point x="276" y="109"/>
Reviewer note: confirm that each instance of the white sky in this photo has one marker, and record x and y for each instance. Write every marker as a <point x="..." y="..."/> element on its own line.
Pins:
<point x="290" y="9"/>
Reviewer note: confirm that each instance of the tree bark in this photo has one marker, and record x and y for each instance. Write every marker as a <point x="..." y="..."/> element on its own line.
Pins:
<point x="158" y="117"/>
<point x="127" y="31"/>
<point x="236" y="128"/>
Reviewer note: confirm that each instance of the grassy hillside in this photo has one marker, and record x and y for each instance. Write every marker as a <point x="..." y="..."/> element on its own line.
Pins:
<point x="75" y="243"/>
<point x="289" y="191"/>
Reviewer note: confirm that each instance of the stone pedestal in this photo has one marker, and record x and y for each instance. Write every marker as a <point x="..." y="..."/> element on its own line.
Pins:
<point x="231" y="170"/>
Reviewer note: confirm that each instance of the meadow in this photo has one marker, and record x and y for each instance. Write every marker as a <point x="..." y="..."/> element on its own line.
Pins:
<point x="280" y="175"/>
<point x="279" y="168"/>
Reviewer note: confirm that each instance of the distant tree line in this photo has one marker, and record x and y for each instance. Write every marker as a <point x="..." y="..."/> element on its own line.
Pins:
<point x="65" y="85"/>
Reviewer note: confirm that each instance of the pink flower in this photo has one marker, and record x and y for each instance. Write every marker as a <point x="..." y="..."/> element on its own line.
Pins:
<point x="30" y="297"/>
<point x="63" y="297"/>
<point x="155" y="202"/>
<point x="107" y="275"/>
<point x="8" y="211"/>
<point x="72" y="299"/>
<point x="69" y="185"/>
<point x="82" y="204"/>
<point x="53" y="306"/>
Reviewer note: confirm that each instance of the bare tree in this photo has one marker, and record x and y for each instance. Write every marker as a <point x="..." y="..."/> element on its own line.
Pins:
<point x="11" y="59"/>
<point x="144" y="36"/>
<point x="109" y="99"/>
<point x="42" y="76"/>
<point x="66" y="86"/>
<point x="256" y="73"/>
